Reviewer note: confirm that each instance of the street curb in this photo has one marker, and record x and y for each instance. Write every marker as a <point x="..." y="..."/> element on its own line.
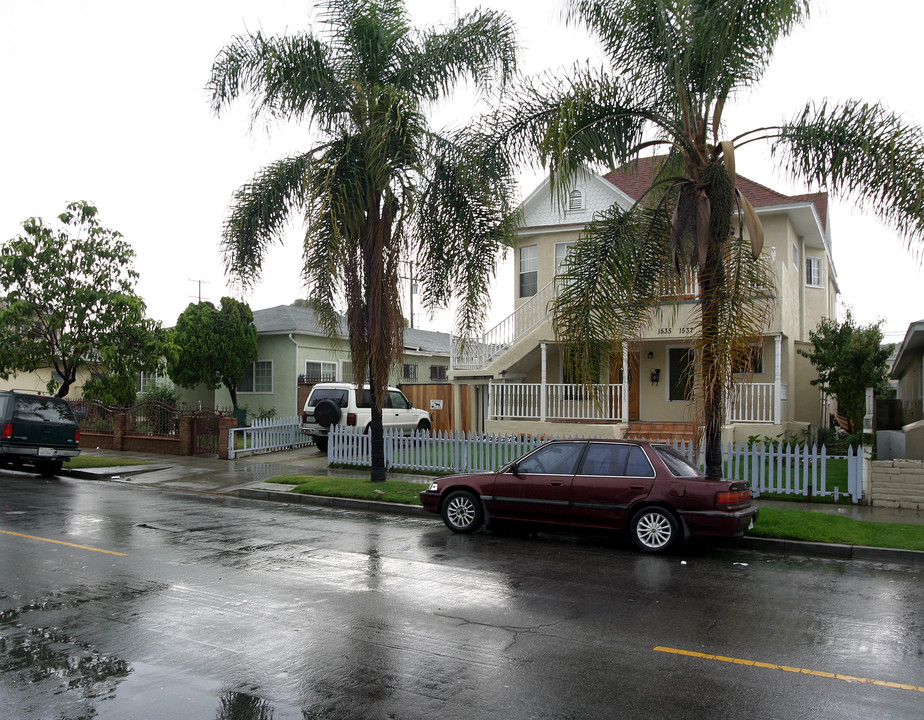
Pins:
<point x="914" y="558"/>
<point x="334" y="502"/>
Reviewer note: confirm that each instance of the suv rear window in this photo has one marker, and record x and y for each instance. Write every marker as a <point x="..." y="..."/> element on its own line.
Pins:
<point x="337" y="395"/>
<point x="42" y="409"/>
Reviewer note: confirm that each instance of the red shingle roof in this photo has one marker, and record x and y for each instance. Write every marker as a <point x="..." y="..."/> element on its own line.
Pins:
<point x="635" y="178"/>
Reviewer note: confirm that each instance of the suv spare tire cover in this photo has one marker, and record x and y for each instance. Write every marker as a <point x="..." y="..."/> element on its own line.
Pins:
<point x="326" y="413"/>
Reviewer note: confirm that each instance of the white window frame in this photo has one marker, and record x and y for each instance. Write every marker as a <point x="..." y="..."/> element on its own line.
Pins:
<point x="795" y="255"/>
<point x="253" y="376"/>
<point x="576" y="200"/>
<point x="813" y="272"/>
<point x="528" y="265"/>
<point x="332" y="369"/>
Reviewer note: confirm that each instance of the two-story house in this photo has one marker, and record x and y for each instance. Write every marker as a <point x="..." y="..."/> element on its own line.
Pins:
<point x="512" y="380"/>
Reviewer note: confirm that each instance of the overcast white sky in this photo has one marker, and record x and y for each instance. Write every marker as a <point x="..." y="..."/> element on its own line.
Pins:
<point x="104" y="100"/>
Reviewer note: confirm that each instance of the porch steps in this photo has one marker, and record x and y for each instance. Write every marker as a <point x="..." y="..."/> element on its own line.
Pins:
<point x="662" y="431"/>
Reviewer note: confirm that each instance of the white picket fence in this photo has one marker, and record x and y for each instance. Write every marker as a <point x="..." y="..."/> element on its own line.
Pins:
<point x="278" y="433"/>
<point x="786" y="470"/>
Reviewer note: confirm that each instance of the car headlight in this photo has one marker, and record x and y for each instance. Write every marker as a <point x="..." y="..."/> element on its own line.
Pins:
<point x="434" y="487"/>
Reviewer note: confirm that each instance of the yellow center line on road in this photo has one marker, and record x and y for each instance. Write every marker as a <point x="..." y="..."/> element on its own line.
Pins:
<point x="61" y="542"/>
<point x="786" y="668"/>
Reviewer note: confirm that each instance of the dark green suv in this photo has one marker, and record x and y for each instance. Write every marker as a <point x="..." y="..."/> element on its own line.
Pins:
<point x="38" y="431"/>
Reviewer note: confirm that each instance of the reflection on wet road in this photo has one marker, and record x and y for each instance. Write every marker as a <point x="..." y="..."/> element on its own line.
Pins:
<point x="235" y="610"/>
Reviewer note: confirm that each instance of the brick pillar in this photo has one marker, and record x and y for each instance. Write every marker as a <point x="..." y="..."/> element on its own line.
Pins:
<point x="224" y="425"/>
<point x="119" y="423"/>
<point x="187" y="443"/>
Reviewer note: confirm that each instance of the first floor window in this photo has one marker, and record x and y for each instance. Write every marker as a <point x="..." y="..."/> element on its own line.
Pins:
<point x="319" y="371"/>
<point x="409" y="371"/>
<point x="529" y="271"/>
<point x="813" y="272"/>
<point x="438" y="372"/>
<point x="257" y="378"/>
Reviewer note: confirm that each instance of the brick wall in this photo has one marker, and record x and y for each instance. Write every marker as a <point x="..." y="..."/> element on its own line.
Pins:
<point x="897" y="484"/>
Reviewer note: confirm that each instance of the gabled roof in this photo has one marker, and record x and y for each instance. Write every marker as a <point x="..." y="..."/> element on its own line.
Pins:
<point x="635" y="178"/>
<point x="909" y="350"/>
<point x="285" y="319"/>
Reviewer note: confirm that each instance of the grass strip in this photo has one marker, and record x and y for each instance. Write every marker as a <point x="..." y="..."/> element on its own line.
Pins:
<point x="393" y="491"/>
<point x="82" y="462"/>
<point x="827" y="528"/>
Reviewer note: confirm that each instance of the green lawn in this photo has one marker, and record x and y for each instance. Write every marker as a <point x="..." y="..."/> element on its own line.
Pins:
<point x="82" y="462"/>
<point x="827" y="528"/>
<point x="394" y="491"/>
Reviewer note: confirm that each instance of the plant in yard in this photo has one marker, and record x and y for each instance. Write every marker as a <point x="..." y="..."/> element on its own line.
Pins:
<point x="378" y="186"/>
<point x="674" y="69"/>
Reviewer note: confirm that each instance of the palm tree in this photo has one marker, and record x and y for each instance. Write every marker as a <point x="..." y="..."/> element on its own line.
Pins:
<point x="379" y="186"/>
<point x="675" y="65"/>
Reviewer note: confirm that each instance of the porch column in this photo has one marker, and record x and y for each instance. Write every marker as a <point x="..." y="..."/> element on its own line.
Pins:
<point x="625" y="382"/>
<point x="543" y="407"/>
<point x="778" y="380"/>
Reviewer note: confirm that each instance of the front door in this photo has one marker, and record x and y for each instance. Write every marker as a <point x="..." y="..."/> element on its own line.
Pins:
<point x="616" y="379"/>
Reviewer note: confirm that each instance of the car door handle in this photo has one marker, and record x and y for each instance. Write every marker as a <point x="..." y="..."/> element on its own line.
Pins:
<point x="636" y="487"/>
<point x="556" y="483"/>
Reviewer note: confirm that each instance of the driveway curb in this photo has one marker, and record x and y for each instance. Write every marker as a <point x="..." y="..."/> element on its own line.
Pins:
<point x="913" y="558"/>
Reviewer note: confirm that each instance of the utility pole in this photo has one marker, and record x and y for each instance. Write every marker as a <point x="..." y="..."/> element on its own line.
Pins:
<point x="201" y="283"/>
<point x="412" y="284"/>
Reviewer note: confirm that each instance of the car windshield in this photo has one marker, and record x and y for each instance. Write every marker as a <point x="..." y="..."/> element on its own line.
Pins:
<point x="42" y="409"/>
<point x="676" y="463"/>
<point x="336" y="395"/>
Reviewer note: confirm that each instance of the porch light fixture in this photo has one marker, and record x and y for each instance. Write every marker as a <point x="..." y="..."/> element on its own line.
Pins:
<point x="650" y="355"/>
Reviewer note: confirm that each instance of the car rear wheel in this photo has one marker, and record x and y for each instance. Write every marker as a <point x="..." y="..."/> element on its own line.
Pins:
<point x="49" y="469"/>
<point x="462" y="512"/>
<point x="654" y="529"/>
<point x="320" y="443"/>
<point x="326" y="413"/>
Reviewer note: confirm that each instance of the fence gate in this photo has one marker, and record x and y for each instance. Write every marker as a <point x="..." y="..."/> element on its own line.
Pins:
<point x="205" y="432"/>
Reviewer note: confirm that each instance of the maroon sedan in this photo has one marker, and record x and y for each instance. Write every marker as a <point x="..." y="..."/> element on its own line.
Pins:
<point x="649" y="490"/>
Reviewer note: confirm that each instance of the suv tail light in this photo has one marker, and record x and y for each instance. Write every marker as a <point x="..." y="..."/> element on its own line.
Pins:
<point x="733" y="497"/>
<point x="7" y="431"/>
<point x="304" y="417"/>
<point x="77" y="437"/>
<point x="351" y="419"/>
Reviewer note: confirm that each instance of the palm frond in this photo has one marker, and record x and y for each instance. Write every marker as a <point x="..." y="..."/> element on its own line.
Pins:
<point x="862" y="152"/>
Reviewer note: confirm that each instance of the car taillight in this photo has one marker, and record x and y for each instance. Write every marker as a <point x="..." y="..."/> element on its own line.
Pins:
<point x="733" y="497"/>
<point x="77" y="437"/>
<point x="304" y="417"/>
<point x="351" y="419"/>
<point x="7" y="431"/>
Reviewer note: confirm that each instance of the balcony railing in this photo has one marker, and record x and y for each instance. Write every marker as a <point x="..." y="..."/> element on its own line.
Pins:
<point x="554" y="401"/>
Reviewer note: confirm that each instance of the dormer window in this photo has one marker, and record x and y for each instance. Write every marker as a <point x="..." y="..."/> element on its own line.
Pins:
<point x="575" y="201"/>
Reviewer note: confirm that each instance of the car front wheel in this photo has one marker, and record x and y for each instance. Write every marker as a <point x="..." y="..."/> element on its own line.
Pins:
<point x="654" y="529"/>
<point x="462" y="512"/>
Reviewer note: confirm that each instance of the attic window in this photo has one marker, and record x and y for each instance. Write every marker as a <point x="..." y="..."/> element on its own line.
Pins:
<point x="575" y="201"/>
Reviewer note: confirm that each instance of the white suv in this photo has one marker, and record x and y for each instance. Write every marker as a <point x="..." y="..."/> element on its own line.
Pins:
<point x="341" y="404"/>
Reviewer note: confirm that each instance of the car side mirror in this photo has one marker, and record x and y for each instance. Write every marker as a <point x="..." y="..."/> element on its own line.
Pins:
<point x="515" y="468"/>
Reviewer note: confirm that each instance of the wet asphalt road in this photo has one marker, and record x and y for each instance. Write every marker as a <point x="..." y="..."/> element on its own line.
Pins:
<point x="230" y="609"/>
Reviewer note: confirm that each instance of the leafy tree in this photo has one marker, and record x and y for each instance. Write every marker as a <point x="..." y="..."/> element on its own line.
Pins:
<point x="213" y="345"/>
<point x="849" y="359"/>
<point x="379" y="186"/>
<point x="674" y="67"/>
<point x="70" y="302"/>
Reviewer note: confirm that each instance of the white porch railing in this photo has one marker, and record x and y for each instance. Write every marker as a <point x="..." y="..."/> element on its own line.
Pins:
<point x="752" y="403"/>
<point x="554" y="401"/>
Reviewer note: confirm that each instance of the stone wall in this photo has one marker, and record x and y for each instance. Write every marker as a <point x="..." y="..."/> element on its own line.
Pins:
<point x="897" y="484"/>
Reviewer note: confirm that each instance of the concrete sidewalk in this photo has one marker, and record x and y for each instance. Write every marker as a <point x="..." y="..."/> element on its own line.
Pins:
<point x="246" y="477"/>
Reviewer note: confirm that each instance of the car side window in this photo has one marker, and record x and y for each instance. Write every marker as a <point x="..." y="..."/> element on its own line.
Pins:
<point x="398" y="400"/>
<point x="554" y="459"/>
<point x="615" y="460"/>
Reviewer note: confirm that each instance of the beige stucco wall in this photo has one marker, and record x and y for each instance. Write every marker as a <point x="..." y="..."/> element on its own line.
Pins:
<point x="37" y="382"/>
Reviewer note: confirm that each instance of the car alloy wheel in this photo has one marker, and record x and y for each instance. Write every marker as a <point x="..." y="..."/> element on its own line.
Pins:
<point x="462" y="512"/>
<point x="654" y="529"/>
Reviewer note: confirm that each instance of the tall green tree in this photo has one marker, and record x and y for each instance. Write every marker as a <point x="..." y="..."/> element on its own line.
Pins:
<point x="674" y="68"/>
<point x="378" y="186"/>
<point x="69" y="303"/>
<point x="213" y="346"/>
<point x="849" y="359"/>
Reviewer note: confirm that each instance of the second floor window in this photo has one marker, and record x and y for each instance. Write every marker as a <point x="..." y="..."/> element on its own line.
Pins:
<point x="409" y="372"/>
<point x="813" y="272"/>
<point x="529" y="271"/>
<point x="438" y="372"/>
